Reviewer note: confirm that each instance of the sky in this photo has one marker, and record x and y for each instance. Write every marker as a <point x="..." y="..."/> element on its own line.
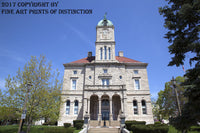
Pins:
<point x="63" y="38"/>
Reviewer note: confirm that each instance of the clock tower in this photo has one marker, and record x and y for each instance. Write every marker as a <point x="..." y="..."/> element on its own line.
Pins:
<point x="105" y="41"/>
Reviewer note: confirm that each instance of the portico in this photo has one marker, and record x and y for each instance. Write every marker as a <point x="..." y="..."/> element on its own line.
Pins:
<point x="104" y="102"/>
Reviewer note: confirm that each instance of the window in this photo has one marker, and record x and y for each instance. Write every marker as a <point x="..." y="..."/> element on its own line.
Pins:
<point x="105" y="71"/>
<point x="67" y="107"/>
<point x="109" y="54"/>
<point x="105" y="52"/>
<point x="73" y="84"/>
<point x="101" y="53"/>
<point x="135" y="107"/>
<point x="75" y="72"/>
<point x="135" y="71"/>
<point x="144" y="109"/>
<point x="105" y="81"/>
<point x="137" y="84"/>
<point x="76" y="107"/>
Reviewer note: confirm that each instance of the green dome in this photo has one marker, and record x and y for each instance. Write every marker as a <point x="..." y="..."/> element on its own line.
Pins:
<point x="105" y="22"/>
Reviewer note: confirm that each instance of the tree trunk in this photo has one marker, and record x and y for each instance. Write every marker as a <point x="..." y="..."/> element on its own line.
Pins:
<point x="29" y="125"/>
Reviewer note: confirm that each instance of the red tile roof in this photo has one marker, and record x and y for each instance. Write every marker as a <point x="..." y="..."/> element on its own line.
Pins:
<point x="120" y="59"/>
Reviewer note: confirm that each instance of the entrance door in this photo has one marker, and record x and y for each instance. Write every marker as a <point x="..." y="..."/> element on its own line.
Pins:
<point x="105" y="109"/>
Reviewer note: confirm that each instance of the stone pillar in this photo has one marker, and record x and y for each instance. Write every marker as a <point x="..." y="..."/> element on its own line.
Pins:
<point x="99" y="115"/>
<point x="111" y="118"/>
<point x="122" y="104"/>
<point x="88" y="109"/>
<point x="85" y="106"/>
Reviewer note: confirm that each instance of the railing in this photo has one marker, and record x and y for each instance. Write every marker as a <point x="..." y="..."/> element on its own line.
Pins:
<point x="104" y="87"/>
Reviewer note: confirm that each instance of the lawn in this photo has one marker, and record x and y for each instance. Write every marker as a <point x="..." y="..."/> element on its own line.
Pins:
<point x="38" y="129"/>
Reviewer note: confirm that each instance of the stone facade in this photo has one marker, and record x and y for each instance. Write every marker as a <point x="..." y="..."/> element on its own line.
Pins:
<point x="105" y="85"/>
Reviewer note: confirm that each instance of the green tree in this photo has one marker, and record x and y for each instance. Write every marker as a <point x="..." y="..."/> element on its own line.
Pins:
<point x="182" y="18"/>
<point x="167" y="102"/>
<point x="44" y="93"/>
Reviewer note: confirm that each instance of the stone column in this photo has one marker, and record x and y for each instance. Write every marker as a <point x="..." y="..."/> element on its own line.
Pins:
<point x="99" y="115"/>
<point x="111" y="110"/>
<point x="122" y="104"/>
<point x="88" y="109"/>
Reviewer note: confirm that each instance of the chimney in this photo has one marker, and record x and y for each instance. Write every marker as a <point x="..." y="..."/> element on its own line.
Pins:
<point x="120" y="54"/>
<point x="89" y="54"/>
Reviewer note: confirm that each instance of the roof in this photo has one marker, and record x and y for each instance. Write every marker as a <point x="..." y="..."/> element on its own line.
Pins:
<point x="120" y="59"/>
<point x="105" y="22"/>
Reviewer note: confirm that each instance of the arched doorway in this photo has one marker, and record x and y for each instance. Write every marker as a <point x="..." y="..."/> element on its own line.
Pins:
<point x="116" y="104"/>
<point x="94" y="107"/>
<point x="105" y="107"/>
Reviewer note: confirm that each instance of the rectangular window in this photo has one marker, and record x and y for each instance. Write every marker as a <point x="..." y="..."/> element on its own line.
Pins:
<point x="75" y="72"/>
<point x="137" y="84"/>
<point x="105" y="52"/>
<point x="105" y="81"/>
<point x="135" y="71"/>
<point x="105" y="71"/>
<point x="73" y="84"/>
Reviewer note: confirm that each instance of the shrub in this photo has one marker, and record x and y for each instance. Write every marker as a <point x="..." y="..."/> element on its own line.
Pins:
<point x="130" y="123"/>
<point x="66" y="125"/>
<point x="75" y="122"/>
<point x="195" y="128"/>
<point x="50" y="123"/>
<point x="157" y="122"/>
<point x="156" y="128"/>
<point x="79" y="125"/>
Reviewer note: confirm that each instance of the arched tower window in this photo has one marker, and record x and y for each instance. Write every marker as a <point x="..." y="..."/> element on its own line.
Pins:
<point x="105" y="52"/>
<point x="144" y="108"/>
<point x="76" y="107"/>
<point x="67" y="107"/>
<point x="101" y="53"/>
<point x="109" y="54"/>
<point x="135" y="107"/>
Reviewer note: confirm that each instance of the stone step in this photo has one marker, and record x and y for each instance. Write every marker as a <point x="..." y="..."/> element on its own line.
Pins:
<point x="103" y="130"/>
<point x="94" y="123"/>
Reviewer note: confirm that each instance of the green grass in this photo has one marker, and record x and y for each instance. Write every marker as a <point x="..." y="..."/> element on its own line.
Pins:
<point x="34" y="129"/>
<point x="77" y="131"/>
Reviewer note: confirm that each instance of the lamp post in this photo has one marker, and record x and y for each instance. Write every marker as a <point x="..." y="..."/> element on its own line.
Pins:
<point x="23" y="116"/>
<point x="177" y="100"/>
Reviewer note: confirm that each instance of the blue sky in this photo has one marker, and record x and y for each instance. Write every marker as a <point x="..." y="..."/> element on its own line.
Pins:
<point x="64" y="38"/>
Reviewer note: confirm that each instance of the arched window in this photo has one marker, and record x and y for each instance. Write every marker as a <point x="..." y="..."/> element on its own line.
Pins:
<point x="101" y="53"/>
<point x="76" y="107"/>
<point x="144" y="108"/>
<point x="105" y="52"/>
<point x="67" y="107"/>
<point x="109" y="54"/>
<point x="135" y="107"/>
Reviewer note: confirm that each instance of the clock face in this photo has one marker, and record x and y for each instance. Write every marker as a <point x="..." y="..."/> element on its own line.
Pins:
<point x="106" y="34"/>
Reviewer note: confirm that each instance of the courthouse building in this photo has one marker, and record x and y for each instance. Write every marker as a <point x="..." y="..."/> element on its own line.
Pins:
<point x="105" y="85"/>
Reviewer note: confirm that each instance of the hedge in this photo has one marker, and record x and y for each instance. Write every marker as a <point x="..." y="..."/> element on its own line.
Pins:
<point x="130" y="123"/>
<point x="157" y="128"/>
<point x="76" y="125"/>
<point x="66" y="125"/>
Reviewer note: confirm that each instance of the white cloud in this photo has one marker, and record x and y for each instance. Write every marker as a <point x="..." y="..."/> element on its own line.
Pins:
<point x="79" y="33"/>
<point x="11" y="54"/>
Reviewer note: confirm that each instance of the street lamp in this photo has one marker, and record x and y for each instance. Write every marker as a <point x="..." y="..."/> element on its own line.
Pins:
<point x="177" y="100"/>
<point x="23" y="116"/>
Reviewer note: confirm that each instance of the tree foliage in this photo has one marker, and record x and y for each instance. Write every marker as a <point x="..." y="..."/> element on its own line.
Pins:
<point x="182" y="18"/>
<point x="43" y="94"/>
<point x="167" y="102"/>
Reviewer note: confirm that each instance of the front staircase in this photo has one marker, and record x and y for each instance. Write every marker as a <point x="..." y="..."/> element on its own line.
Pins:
<point x="103" y="130"/>
<point x="98" y="127"/>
